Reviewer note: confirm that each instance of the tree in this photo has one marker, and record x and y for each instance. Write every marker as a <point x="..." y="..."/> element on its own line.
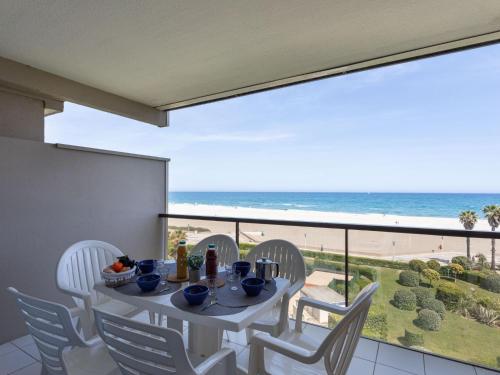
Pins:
<point x="492" y="214"/>
<point x="468" y="220"/>
<point x="456" y="269"/>
<point x="431" y="275"/>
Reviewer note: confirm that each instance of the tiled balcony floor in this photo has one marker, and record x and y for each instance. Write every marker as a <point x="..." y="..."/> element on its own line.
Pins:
<point x="21" y="357"/>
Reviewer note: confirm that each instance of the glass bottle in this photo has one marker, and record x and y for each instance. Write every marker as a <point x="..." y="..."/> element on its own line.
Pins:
<point x="182" y="264"/>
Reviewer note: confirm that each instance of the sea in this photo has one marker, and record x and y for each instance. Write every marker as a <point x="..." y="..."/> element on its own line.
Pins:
<point x="403" y="204"/>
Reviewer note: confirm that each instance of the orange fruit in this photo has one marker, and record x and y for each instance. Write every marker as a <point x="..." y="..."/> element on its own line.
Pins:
<point x="117" y="266"/>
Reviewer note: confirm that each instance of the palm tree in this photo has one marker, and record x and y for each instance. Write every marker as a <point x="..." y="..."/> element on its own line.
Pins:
<point x="468" y="220"/>
<point x="492" y="214"/>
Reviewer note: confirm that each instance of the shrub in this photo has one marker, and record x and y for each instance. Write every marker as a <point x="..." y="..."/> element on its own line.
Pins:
<point x="405" y="300"/>
<point x="422" y="293"/>
<point x="484" y="315"/>
<point x="428" y="320"/>
<point x="376" y="323"/>
<point x="450" y="294"/>
<point x="417" y="265"/>
<point x="489" y="303"/>
<point x="434" y="305"/>
<point x="363" y="281"/>
<point x="368" y="272"/>
<point x="409" y="278"/>
<point x="413" y="339"/>
<point x="339" y="287"/>
<point x="434" y="265"/>
<point x="491" y="283"/>
<point x="463" y="261"/>
<point x="431" y="275"/>
<point x="473" y="277"/>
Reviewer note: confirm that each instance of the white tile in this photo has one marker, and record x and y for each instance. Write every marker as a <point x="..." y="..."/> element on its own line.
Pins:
<point x="367" y="349"/>
<point x="34" y="369"/>
<point x="401" y="358"/>
<point x="440" y="366"/>
<point x="482" y="371"/>
<point x="14" y="361"/>
<point x="7" y="348"/>
<point x="23" y="341"/>
<point x="386" y="370"/>
<point x="32" y="350"/>
<point x="360" y="366"/>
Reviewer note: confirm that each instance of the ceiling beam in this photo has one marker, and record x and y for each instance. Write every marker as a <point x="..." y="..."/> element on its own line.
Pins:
<point x="26" y="78"/>
<point x="434" y="50"/>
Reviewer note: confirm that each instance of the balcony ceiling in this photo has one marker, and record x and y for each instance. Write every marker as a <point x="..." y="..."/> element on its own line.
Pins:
<point x="168" y="54"/>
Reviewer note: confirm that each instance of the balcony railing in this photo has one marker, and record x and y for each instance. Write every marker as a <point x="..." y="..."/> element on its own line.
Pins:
<point x="464" y="319"/>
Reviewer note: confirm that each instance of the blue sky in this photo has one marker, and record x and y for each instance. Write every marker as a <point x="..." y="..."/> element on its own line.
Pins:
<point x="431" y="125"/>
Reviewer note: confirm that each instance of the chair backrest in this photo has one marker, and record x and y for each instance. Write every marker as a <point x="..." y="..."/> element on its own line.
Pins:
<point x="227" y="250"/>
<point x="52" y="329"/>
<point x="291" y="261"/>
<point x="142" y="348"/>
<point x="339" y="346"/>
<point x="81" y="264"/>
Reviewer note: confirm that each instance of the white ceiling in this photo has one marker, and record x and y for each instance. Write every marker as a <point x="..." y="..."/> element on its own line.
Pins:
<point x="162" y="52"/>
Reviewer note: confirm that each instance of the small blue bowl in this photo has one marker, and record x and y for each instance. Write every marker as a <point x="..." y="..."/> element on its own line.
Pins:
<point x="147" y="266"/>
<point x="148" y="283"/>
<point x="252" y="286"/>
<point x="196" y="294"/>
<point x="243" y="267"/>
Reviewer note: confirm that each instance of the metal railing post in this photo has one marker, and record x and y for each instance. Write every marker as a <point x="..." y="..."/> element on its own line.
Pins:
<point x="237" y="233"/>
<point x="346" y="267"/>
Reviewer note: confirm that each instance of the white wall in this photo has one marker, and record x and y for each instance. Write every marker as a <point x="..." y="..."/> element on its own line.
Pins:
<point x="51" y="198"/>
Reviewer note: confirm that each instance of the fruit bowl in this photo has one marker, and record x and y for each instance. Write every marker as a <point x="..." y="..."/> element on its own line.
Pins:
<point x="114" y="279"/>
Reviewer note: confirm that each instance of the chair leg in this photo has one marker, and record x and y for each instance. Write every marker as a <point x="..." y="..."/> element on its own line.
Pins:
<point x="249" y="333"/>
<point x="160" y="319"/>
<point x="152" y="317"/>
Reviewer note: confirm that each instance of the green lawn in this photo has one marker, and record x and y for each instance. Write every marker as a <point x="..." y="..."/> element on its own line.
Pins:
<point x="459" y="338"/>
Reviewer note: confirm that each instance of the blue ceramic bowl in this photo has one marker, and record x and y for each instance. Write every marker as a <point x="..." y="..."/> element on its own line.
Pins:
<point x="148" y="283"/>
<point x="243" y="267"/>
<point x="147" y="266"/>
<point x="196" y="294"/>
<point x="252" y="286"/>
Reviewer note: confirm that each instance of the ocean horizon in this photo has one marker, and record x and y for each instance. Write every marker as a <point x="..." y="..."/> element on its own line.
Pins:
<point x="403" y="204"/>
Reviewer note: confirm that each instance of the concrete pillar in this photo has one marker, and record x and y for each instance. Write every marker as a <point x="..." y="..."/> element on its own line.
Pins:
<point x="21" y="116"/>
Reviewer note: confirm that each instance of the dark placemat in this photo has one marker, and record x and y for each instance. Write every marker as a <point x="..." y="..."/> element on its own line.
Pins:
<point x="229" y="301"/>
<point x="132" y="289"/>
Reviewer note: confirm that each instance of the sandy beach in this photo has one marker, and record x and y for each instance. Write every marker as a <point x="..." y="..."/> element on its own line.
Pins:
<point x="373" y="244"/>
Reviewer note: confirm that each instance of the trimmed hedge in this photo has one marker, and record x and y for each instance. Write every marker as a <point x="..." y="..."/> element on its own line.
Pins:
<point x="376" y="323"/>
<point x="413" y="339"/>
<point x="428" y="320"/>
<point x="450" y="294"/>
<point x="409" y="278"/>
<point x="355" y="260"/>
<point x="434" y="305"/>
<point x="368" y="272"/>
<point x="434" y="265"/>
<point x="491" y="283"/>
<point x="422" y="293"/>
<point x="405" y="300"/>
<point x="463" y="261"/>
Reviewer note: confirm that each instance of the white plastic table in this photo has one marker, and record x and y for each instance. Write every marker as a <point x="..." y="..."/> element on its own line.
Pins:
<point x="205" y="332"/>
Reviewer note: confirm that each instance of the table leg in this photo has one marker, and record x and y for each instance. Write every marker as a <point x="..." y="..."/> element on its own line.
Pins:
<point x="204" y="340"/>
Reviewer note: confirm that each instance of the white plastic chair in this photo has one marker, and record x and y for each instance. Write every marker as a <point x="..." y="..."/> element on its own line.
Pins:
<point x="78" y="270"/>
<point x="227" y="250"/>
<point x="62" y="350"/>
<point x="140" y="348"/>
<point x="292" y="267"/>
<point x="294" y="352"/>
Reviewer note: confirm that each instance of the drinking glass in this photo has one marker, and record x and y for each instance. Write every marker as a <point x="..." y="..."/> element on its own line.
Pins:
<point x="235" y="279"/>
<point x="163" y="270"/>
<point x="212" y="288"/>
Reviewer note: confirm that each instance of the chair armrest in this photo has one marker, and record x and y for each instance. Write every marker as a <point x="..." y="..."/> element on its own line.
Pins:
<point x="222" y="355"/>
<point x="262" y="341"/>
<point x="305" y="301"/>
<point x="295" y="288"/>
<point x="85" y="296"/>
<point x="93" y="341"/>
